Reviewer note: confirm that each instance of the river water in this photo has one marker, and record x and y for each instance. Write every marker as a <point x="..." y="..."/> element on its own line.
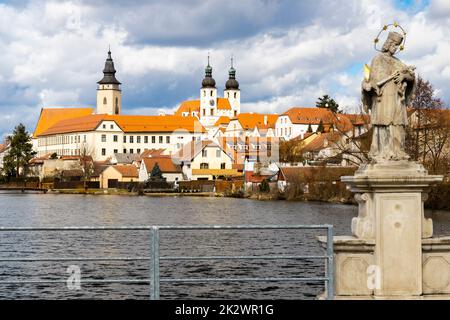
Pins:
<point x="50" y="210"/>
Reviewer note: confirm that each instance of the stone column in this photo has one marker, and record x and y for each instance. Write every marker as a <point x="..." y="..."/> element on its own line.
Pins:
<point x="391" y="217"/>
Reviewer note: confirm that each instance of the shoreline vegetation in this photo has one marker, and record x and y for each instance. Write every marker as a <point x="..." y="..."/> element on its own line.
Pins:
<point x="327" y="192"/>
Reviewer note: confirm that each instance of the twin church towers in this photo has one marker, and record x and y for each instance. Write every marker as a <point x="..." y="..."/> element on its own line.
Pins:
<point x="209" y="109"/>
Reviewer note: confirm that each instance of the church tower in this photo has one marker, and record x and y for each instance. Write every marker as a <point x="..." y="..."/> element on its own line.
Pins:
<point x="232" y="92"/>
<point x="109" y="94"/>
<point x="208" y="96"/>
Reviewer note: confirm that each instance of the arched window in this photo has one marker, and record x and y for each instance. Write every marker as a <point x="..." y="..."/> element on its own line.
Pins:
<point x="211" y="93"/>
<point x="117" y="106"/>
<point x="204" y="166"/>
<point x="104" y="100"/>
<point x="235" y="95"/>
<point x="204" y="93"/>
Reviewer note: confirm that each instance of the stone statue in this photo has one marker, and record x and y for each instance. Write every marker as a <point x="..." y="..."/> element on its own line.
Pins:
<point x="386" y="91"/>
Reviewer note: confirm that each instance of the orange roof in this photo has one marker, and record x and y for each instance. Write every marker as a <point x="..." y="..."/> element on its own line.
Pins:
<point x="127" y="124"/>
<point x="188" y="106"/>
<point x="147" y="153"/>
<point x="222" y="120"/>
<point x="299" y="115"/>
<point x="223" y="104"/>
<point x="50" y="116"/>
<point x="323" y="141"/>
<point x="358" y="119"/>
<point x="129" y="171"/>
<point x="194" y="106"/>
<point x="249" y="121"/>
<point x="165" y="164"/>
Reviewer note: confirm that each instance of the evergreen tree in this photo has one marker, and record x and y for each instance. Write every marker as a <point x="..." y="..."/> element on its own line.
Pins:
<point x="320" y="128"/>
<point x="327" y="102"/>
<point x="20" y="152"/>
<point x="309" y="128"/>
<point x="156" y="173"/>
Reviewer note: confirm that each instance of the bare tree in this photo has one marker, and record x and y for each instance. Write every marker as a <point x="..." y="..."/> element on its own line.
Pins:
<point x="86" y="163"/>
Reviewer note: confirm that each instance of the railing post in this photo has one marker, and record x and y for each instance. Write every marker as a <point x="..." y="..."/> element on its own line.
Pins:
<point x="154" y="264"/>
<point x="330" y="265"/>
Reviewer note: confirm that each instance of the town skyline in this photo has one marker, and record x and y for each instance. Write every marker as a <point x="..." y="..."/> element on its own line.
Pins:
<point x="279" y="64"/>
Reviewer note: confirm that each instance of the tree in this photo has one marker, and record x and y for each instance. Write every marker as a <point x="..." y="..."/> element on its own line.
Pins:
<point x="156" y="173"/>
<point x="320" y="127"/>
<point x="290" y="151"/>
<point x="86" y="163"/>
<point x="20" y="152"/>
<point x="428" y="134"/>
<point x="309" y="130"/>
<point x="327" y="102"/>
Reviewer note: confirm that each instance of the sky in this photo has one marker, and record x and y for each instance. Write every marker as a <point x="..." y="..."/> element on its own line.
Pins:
<point x="286" y="52"/>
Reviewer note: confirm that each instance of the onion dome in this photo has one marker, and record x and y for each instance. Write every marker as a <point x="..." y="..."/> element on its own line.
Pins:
<point x="208" y="81"/>
<point x="109" y="72"/>
<point x="232" y="83"/>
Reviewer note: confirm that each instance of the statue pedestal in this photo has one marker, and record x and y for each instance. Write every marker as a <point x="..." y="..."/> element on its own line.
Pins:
<point x="384" y="256"/>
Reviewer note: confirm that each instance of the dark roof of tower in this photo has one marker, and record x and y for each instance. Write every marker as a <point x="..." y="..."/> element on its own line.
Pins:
<point x="232" y="83"/>
<point x="208" y="81"/>
<point x="109" y="72"/>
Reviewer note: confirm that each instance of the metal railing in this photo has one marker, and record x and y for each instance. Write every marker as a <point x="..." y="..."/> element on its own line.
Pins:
<point x="154" y="259"/>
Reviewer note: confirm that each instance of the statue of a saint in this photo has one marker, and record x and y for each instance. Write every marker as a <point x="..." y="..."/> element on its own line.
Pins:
<point x="387" y="90"/>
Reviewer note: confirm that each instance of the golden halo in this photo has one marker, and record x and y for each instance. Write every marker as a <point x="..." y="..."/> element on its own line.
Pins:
<point x="385" y="28"/>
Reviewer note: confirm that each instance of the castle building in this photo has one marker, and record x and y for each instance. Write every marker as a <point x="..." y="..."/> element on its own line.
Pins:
<point x="210" y="108"/>
<point x="105" y="132"/>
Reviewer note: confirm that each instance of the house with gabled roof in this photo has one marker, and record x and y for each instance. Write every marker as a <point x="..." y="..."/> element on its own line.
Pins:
<point x="205" y="160"/>
<point x="170" y="171"/>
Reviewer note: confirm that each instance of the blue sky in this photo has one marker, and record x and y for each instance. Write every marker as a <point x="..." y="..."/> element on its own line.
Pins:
<point x="287" y="52"/>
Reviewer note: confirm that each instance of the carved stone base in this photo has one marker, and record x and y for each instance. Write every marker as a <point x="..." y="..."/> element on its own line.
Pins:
<point x="390" y="227"/>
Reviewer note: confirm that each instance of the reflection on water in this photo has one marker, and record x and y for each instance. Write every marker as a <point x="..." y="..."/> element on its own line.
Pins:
<point x="33" y="210"/>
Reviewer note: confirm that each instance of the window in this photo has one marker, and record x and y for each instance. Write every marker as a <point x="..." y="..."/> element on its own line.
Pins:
<point x="131" y="139"/>
<point x="124" y="150"/>
<point x="138" y="151"/>
<point x="204" y="165"/>
<point x="115" y="138"/>
<point x="204" y="93"/>
<point x="222" y="165"/>
<point x="160" y="139"/>
<point x="84" y="138"/>
<point x="103" y="137"/>
<point x="124" y="139"/>
<point x="111" y="126"/>
<point x="218" y="153"/>
<point x="211" y="93"/>
<point x="131" y="151"/>
<point x="212" y="112"/>
<point x="117" y="106"/>
<point x="138" y="139"/>
<point x="235" y="113"/>
<point x="115" y="151"/>
<point x="235" y="95"/>
<point x="204" y="112"/>
<point x="146" y="139"/>
<point x="103" y="152"/>
<point x="168" y="139"/>
<point x="153" y="139"/>
<point x="104" y="126"/>
<point x="104" y="100"/>
<point x="204" y="153"/>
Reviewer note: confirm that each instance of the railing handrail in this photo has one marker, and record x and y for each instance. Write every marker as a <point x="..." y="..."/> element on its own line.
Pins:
<point x="169" y="227"/>
<point x="154" y="258"/>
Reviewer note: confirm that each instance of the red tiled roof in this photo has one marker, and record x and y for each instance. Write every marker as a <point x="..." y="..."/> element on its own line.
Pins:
<point x="51" y="116"/>
<point x="165" y="164"/>
<point x="127" y="123"/>
<point x="319" y="142"/>
<point x="129" y="171"/>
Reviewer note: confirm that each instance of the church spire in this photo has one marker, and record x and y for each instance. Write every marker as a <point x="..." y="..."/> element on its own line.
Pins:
<point x="208" y="81"/>
<point x="232" y="83"/>
<point x="109" y="72"/>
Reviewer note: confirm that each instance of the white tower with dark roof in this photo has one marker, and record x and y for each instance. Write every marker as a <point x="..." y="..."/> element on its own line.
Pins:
<point x="109" y="94"/>
<point x="208" y="98"/>
<point x="232" y="92"/>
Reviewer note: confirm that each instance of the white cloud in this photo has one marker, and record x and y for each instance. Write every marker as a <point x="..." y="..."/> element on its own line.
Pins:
<point x="53" y="52"/>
